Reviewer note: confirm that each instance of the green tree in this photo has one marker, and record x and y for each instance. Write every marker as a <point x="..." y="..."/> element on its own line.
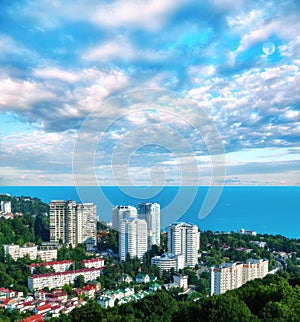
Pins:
<point x="79" y="281"/>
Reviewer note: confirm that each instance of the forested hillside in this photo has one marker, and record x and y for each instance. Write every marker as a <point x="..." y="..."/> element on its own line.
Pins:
<point x="26" y="205"/>
<point x="32" y="226"/>
<point x="273" y="298"/>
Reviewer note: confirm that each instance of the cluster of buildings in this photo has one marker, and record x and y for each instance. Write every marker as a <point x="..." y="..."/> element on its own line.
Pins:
<point x="229" y="276"/>
<point x="138" y="229"/>
<point x="72" y="223"/>
<point x="63" y="275"/>
<point x="110" y="298"/>
<point x="183" y="246"/>
<point x="5" y="210"/>
<point x="41" y="305"/>
<point x="45" y="253"/>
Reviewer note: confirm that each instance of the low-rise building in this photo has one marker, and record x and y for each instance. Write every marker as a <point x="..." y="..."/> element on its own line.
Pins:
<point x="142" y="278"/>
<point x="260" y="244"/>
<point x="58" y="266"/>
<point x="94" y="262"/>
<point x="181" y="280"/>
<point x="55" y="280"/>
<point x="166" y="262"/>
<point x="247" y="232"/>
<point x="125" y="278"/>
<point x="30" y="250"/>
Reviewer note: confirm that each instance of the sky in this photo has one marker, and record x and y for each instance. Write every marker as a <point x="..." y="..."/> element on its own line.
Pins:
<point x="131" y="92"/>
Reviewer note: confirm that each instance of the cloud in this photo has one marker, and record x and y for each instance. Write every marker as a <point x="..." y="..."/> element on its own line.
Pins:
<point x="63" y="63"/>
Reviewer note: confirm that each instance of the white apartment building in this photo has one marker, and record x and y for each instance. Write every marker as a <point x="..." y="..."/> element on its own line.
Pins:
<point x="184" y="239"/>
<point x="55" y="280"/>
<point x="151" y="213"/>
<point x="229" y="276"/>
<point x="132" y="238"/>
<point x="94" y="262"/>
<point x="247" y="232"/>
<point x="89" y="228"/>
<point x="73" y="223"/>
<point x="15" y="251"/>
<point x="58" y="266"/>
<point x="6" y="206"/>
<point x="120" y="213"/>
<point x="166" y="262"/>
<point x="47" y="255"/>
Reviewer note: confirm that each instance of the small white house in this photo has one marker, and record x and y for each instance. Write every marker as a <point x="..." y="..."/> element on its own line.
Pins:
<point x="142" y="278"/>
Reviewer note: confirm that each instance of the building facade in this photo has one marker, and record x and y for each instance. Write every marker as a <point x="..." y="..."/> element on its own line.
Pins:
<point x="151" y="213"/>
<point x="32" y="251"/>
<point x="54" y="280"/>
<point x="93" y="263"/>
<point x="132" y="238"/>
<point x="184" y="239"/>
<point x="6" y="206"/>
<point x="168" y="261"/>
<point x="120" y="213"/>
<point x="58" y="266"/>
<point x="73" y="223"/>
<point x="229" y="276"/>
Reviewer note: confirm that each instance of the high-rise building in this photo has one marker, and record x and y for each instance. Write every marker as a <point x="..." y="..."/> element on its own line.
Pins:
<point x="184" y="239"/>
<point x="229" y="276"/>
<point x="89" y="227"/>
<point x="132" y="238"/>
<point x="6" y="206"/>
<point x="120" y="213"/>
<point x="151" y="213"/>
<point x="73" y="223"/>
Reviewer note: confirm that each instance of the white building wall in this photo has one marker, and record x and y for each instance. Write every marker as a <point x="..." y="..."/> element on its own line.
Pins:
<point x="151" y="213"/>
<point x="132" y="238"/>
<point x="121" y="213"/>
<point x="6" y="206"/>
<point x="73" y="223"/>
<point x="37" y="282"/>
<point x="230" y="276"/>
<point x="183" y="238"/>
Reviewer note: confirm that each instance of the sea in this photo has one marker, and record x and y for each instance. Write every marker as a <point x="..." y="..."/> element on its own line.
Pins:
<point x="264" y="209"/>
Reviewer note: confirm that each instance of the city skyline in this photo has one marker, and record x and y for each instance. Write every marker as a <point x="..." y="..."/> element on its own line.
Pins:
<point x="237" y="61"/>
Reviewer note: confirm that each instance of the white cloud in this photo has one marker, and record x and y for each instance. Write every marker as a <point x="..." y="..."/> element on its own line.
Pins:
<point x="136" y="13"/>
<point x="285" y="27"/>
<point x="19" y="94"/>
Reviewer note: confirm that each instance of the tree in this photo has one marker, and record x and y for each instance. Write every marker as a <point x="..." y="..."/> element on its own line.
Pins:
<point x="79" y="281"/>
<point x="67" y="288"/>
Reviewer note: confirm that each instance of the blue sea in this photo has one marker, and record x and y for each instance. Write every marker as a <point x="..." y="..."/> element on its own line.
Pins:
<point x="270" y="210"/>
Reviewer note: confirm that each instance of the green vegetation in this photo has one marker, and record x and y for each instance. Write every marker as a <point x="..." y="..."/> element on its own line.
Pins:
<point x="219" y="247"/>
<point x="33" y="226"/>
<point x="273" y="298"/>
<point x="26" y="205"/>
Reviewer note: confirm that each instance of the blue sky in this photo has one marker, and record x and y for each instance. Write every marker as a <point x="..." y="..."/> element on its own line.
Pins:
<point x="218" y="72"/>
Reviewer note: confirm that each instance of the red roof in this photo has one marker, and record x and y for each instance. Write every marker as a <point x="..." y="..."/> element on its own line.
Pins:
<point x="34" y="318"/>
<point x="44" y="307"/>
<point x="27" y="303"/>
<point x="66" y="261"/>
<point x="2" y="289"/>
<point x="64" y="273"/>
<point x="93" y="260"/>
